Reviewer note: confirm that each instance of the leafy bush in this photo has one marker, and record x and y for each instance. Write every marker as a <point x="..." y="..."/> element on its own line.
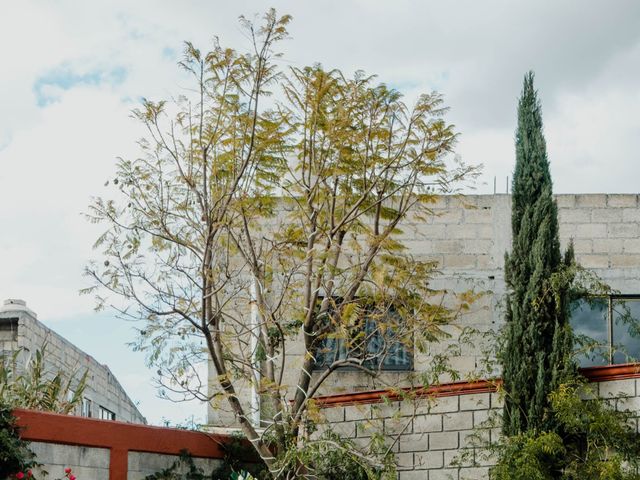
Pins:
<point x="331" y="457"/>
<point x="184" y="468"/>
<point x="15" y="455"/>
<point x="593" y="441"/>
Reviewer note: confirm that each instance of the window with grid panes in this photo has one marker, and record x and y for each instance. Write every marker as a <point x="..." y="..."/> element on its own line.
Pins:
<point x="380" y="351"/>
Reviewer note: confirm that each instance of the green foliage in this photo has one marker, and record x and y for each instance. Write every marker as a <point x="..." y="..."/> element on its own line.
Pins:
<point x="15" y="455"/>
<point x="592" y="441"/>
<point x="537" y="353"/>
<point x="184" y="468"/>
<point x="246" y="223"/>
<point x="32" y="388"/>
<point x="332" y="457"/>
<point x="238" y="461"/>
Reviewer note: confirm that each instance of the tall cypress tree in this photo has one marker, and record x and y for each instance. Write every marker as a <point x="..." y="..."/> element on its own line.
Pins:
<point x="536" y="354"/>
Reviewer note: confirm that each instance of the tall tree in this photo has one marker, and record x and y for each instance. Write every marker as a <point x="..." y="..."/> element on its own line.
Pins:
<point x="538" y="339"/>
<point x="249" y="230"/>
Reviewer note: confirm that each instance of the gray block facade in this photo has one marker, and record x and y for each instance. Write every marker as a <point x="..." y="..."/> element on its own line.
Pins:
<point x="445" y="438"/>
<point x="104" y="396"/>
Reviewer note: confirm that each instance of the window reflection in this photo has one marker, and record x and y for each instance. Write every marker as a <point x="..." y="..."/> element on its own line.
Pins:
<point x="589" y="320"/>
<point x="607" y="330"/>
<point x="626" y="344"/>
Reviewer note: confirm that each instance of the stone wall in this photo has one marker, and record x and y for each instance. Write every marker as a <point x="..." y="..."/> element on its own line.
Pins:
<point x="439" y="438"/>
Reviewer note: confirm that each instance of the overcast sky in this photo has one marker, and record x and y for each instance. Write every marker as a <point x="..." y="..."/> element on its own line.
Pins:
<point x="72" y="71"/>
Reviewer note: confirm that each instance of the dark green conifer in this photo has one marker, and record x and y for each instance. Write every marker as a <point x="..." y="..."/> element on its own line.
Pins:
<point x="537" y="352"/>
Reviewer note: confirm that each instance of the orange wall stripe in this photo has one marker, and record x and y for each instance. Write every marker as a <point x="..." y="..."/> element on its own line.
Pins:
<point x="69" y="430"/>
<point x="118" y="464"/>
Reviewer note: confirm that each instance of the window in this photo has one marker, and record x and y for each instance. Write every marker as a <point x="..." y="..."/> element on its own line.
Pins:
<point x="377" y="350"/>
<point x="86" y="407"/>
<point x="70" y="395"/>
<point x="106" y="414"/>
<point x="608" y="329"/>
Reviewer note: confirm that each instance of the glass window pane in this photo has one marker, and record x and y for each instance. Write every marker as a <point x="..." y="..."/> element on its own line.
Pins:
<point x="626" y="330"/>
<point x="589" y="322"/>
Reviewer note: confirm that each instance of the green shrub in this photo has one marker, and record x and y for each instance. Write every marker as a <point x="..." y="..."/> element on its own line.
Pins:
<point x="593" y="441"/>
<point x="331" y="457"/>
<point x="15" y="455"/>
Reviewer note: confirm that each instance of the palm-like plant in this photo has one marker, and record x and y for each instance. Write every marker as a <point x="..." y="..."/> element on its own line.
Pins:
<point x="35" y="389"/>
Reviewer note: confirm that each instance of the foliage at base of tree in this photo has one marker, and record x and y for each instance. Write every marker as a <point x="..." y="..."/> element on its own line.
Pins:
<point x="237" y="460"/>
<point x="593" y="441"/>
<point x="332" y="457"/>
<point x="232" y="468"/>
<point x="15" y="455"/>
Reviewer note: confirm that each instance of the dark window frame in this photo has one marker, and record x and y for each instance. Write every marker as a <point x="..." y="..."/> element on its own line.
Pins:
<point x="87" y="407"/>
<point x="106" y="414"/>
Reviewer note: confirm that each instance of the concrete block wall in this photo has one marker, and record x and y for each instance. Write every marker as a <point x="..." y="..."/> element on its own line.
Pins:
<point x="93" y="463"/>
<point x="427" y="436"/>
<point x="85" y="462"/>
<point x="442" y="438"/>
<point x="468" y="237"/>
<point x="143" y="464"/>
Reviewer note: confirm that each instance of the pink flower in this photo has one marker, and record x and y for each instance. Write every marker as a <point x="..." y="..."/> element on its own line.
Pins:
<point x="19" y="475"/>
<point x="72" y="477"/>
<point x="67" y="470"/>
<point x="29" y="474"/>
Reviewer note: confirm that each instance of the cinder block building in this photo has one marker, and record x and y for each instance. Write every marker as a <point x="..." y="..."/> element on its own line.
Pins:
<point x="103" y="397"/>
<point x="468" y="237"/>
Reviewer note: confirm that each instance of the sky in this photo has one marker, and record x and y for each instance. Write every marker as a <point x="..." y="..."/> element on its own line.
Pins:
<point x="73" y="71"/>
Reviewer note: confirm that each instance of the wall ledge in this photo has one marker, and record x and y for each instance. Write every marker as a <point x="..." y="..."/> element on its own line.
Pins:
<point x="593" y="374"/>
<point x="611" y="372"/>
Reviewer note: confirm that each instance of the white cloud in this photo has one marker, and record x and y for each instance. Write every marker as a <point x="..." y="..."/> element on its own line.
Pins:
<point x="74" y="70"/>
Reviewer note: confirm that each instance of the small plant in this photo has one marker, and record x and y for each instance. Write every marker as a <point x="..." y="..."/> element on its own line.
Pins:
<point x="68" y="474"/>
<point x="241" y="476"/>
<point x="21" y="475"/>
<point x="33" y="389"/>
